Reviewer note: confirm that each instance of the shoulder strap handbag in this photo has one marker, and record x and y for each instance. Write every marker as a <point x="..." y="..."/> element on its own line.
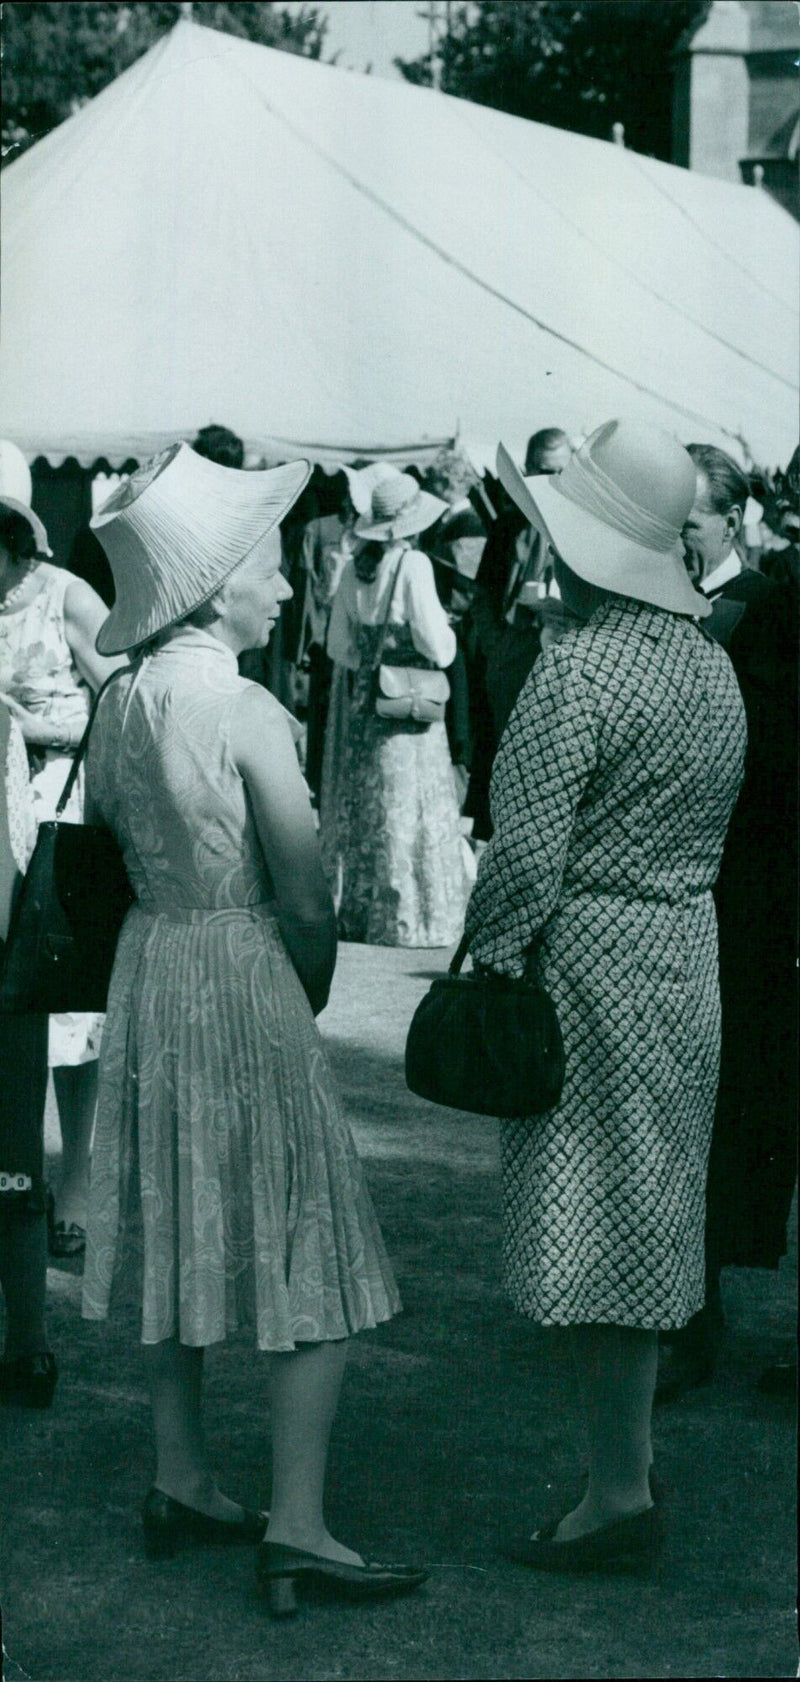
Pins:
<point x="486" y="1043"/>
<point x="407" y="693"/>
<point x="68" y="911"/>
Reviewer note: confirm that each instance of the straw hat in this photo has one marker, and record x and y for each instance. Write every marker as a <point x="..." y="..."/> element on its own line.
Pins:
<point x="399" y="509"/>
<point x="362" y="482"/>
<point x="616" y="513"/>
<point x="176" y="529"/>
<point x="16" y="490"/>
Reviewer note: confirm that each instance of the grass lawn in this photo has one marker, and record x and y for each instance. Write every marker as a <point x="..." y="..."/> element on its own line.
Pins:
<point x="456" y="1427"/>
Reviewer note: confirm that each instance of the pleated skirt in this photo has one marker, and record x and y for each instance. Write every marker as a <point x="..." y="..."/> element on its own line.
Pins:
<point x="216" y="1106"/>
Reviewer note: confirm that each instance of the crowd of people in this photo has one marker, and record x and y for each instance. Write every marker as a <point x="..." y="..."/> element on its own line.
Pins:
<point x="557" y="707"/>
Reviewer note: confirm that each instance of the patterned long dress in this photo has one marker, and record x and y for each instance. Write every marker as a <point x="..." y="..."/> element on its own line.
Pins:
<point x="389" y="819"/>
<point x="213" y="1077"/>
<point x="37" y="669"/>
<point x="611" y="795"/>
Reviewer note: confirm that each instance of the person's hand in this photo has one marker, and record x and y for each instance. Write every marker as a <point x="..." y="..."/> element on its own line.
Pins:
<point x="36" y="729"/>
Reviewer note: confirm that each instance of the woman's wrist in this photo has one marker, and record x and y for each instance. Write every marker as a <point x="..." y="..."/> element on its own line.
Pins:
<point x="61" y="738"/>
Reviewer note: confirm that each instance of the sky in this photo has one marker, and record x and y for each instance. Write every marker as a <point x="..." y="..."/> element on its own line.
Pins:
<point x="366" y="32"/>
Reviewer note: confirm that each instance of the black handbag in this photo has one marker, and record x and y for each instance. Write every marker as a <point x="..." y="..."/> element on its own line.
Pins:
<point x="486" y="1043"/>
<point x="67" y="913"/>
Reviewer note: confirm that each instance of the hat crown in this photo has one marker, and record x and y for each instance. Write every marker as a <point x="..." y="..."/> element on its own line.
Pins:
<point x="394" y="496"/>
<point x="362" y="482"/>
<point x="647" y="464"/>
<point x="15" y="474"/>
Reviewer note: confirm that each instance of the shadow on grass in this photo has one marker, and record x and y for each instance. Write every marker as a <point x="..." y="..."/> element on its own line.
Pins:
<point x="457" y="1425"/>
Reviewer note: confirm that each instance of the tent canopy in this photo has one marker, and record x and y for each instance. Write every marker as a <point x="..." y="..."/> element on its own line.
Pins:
<point x="338" y="266"/>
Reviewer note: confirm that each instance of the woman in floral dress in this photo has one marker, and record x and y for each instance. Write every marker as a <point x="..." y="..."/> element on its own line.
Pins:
<point x="389" y="818"/>
<point x="216" y="1104"/>
<point x="49" y="667"/>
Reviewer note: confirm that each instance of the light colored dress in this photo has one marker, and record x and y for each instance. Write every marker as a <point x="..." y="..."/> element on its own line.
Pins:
<point x="389" y="818"/>
<point x="213" y="1076"/>
<point x="611" y="795"/>
<point x="37" y="669"/>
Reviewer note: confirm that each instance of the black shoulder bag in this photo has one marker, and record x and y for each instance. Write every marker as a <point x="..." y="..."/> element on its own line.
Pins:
<point x="486" y="1043"/>
<point x="67" y="913"/>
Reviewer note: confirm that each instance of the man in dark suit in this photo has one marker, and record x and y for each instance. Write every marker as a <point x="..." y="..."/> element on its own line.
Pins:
<point x="752" y="1169"/>
<point x="506" y="620"/>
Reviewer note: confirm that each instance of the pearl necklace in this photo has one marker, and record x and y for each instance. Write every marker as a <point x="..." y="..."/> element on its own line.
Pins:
<point x="16" y="590"/>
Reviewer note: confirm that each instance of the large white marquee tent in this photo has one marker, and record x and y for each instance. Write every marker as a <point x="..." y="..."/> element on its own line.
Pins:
<point x="334" y="265"/>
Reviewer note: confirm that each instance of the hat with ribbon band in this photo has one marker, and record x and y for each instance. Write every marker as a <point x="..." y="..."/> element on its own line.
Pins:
<point x="362" y="482"/>
<point x="616" y="513"/>
<point x="399" y="509"/>
<point x="176" y="529"/>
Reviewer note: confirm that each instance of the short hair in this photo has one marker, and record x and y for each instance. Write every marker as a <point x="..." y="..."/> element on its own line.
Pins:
<point x="219" y="444"/>
<point x="727" y="485"/>
<point x="17" y="534"/>
<point x="549" y="438"/>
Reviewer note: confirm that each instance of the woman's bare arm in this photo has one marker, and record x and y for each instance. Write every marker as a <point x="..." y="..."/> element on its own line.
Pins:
<point x="264" y="755"/>
<point x="84" y="613"/>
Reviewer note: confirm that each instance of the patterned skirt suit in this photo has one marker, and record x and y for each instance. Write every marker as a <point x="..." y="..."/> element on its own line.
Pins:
<point x="611" y="795"/>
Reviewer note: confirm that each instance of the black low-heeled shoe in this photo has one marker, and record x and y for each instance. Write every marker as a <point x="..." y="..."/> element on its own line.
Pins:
<point x="285" y="1574"/>
<point x="627" y="1544"/>
<point x="29" y="1381"/>
<point x="168" y="1525"/>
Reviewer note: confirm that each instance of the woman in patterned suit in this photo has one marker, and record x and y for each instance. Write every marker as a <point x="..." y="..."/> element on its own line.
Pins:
<point x="611" y="796"/>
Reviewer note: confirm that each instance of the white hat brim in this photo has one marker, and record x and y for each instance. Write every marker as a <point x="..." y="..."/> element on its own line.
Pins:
<point x="42" y="544"/>
<point x="596" y="552"/>
<point x="424" y="512"/>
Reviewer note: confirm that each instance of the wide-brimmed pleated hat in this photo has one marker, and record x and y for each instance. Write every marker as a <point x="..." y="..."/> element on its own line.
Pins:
<point x="399" y="508"/>
<point x="176" y="529"/>
<point x="616" y="512"/>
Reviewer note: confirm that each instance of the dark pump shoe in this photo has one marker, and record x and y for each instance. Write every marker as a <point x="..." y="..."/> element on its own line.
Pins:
<point x="286" y="1573"/>
<point x="28" y="1382"/>
<point x="168" y="1526"/>
<point x="627" y="1544"/>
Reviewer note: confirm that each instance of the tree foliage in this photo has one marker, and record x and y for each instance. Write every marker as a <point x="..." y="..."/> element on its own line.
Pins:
<point x="57" y="55"/>
<point x="578" y="64"/>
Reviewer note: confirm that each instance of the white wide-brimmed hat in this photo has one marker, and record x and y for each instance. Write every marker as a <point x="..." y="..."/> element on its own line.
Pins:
<point x="362" y="482"/>
<point x="176" y="529"/>
<point x="616" y="513"/>
<point x="16" y="490"/>
<point x="39" y="533"/>
<point x="399" y="508"/>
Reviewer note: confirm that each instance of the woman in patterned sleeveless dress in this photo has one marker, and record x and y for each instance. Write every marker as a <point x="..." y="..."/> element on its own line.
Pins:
<point x="213" y="1080"/>
<point x="49" y="667"/>
<point x="389" y="818"/>
<point x="611" y="795"/>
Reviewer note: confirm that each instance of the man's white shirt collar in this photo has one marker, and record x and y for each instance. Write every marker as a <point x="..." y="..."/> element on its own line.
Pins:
<point x="727" y="569"/>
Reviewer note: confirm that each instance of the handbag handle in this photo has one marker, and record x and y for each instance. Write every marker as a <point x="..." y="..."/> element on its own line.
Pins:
<point x="80" y="752"/>
<point x="385" y="624"/>
<point x="531" y="960"/>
